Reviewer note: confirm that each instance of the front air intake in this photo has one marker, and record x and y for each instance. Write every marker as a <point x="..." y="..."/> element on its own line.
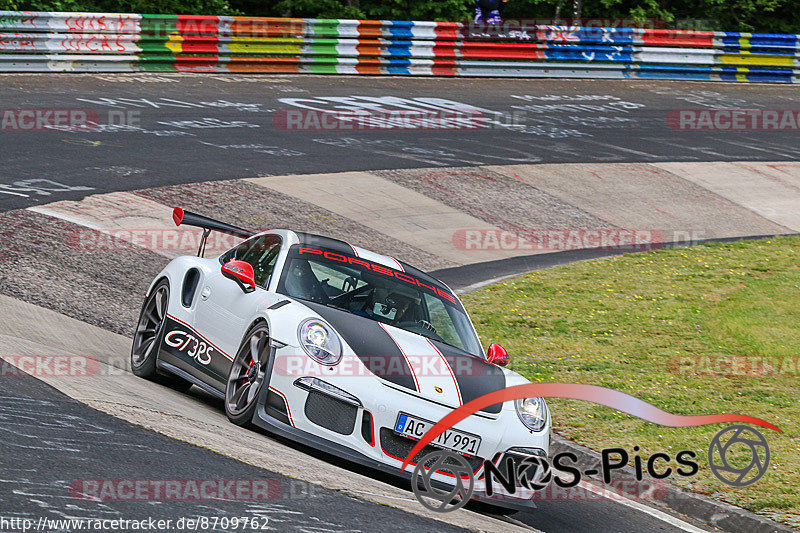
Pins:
<point x="331" y="413"/>
<point x="399" y="447"/>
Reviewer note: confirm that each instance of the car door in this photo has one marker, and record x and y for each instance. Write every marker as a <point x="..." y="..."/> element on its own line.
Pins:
<point x="224" y="311"/>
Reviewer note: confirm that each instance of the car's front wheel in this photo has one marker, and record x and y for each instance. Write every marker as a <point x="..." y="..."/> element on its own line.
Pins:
<point x="247" y="375"/>
<point x="147" y="338"/>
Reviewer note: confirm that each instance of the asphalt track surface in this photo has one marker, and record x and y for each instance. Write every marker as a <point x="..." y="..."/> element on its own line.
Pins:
<point x="185" y="129"/>
<point x="53" y="446"/>
<point x="171" y="129"/>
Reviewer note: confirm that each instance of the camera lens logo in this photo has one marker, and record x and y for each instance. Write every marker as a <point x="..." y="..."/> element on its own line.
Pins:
<point x="529" y="468"/>
<point x="738" y="455"/>
<point x="443" y="500"/>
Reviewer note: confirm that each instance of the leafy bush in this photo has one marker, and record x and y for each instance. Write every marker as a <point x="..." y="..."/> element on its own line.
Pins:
<point x="191" y="7"/>
<point x="768" y="16"/>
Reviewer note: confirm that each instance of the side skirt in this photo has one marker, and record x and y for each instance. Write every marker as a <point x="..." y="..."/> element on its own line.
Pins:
<point x="172" y="369"/>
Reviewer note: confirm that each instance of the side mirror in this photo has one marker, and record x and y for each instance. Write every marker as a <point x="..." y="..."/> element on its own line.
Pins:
<point x="497" y="355"/>
<point x="242" y="273"/>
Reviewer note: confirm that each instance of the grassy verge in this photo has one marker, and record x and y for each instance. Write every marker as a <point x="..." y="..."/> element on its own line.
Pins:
<point x="658" y="326"/>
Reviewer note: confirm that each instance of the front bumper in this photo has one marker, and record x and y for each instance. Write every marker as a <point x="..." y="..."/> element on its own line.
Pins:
<point x="361" y="431"/>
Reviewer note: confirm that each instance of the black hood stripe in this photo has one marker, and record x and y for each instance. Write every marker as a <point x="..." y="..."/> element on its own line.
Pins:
<point x="371" y="343"/>
<point x="381" y="354"/>
<point x="449" y="369"/>
<point x="405" y="356"/>
<point x="475" y="377"/>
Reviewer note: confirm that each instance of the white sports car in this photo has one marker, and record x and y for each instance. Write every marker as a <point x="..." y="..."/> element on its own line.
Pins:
<point x="336" y="347"/>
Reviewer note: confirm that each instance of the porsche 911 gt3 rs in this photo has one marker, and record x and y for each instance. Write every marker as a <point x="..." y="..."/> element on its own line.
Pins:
<point x="349" y="351"/>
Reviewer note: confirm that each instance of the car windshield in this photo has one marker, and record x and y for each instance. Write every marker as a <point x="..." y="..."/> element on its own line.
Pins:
<point x="373" y="291"/>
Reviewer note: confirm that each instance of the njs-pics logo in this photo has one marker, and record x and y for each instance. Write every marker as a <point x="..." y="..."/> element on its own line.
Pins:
<point x="536" y="473"/>
<point x="738" y="456"/>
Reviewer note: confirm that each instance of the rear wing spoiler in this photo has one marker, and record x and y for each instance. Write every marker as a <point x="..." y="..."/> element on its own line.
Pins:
<point x="186" y="218"/>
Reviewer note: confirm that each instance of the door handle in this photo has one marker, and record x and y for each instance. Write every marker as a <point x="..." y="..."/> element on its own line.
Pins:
<point x="205" y="293"/>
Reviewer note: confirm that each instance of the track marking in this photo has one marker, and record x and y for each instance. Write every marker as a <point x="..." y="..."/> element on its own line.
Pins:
<point x="652" y="157"/>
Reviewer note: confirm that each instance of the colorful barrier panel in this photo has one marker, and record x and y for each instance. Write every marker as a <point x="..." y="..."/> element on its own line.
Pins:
<point x="108" y="42"/>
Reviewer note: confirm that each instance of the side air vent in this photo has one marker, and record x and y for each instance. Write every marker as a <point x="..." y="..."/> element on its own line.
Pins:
<point x="276" y="407"/>
<point x="190" y="287"/>
<point x="367" y="432"/>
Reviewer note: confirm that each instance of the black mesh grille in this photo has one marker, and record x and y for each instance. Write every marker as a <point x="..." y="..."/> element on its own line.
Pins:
<point x="331" y="413"/>
<point x="399" y="447"/>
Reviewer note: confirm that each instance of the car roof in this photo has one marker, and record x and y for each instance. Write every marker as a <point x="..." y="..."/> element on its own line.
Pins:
<point x="342" y="247"/>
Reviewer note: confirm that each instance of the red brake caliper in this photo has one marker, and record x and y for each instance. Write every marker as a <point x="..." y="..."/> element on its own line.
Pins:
<point x="252" y="362"/>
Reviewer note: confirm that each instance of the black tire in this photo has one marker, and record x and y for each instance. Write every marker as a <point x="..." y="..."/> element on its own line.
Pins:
<point x="247" y="375"/>
<point x="148" y="336"/>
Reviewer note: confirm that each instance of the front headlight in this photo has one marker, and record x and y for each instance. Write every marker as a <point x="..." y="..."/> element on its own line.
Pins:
<point x="532" y="412"/>
<point x="320" y="341"/>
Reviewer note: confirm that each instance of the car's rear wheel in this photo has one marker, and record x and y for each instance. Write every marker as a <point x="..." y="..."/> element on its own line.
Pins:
<point x="147" y="338"/>
<point x="247" y="375"/>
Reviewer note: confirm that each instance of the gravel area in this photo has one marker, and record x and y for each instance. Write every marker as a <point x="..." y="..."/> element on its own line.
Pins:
<point x="39" y="266"/>
<point x="247" y="205"/>
<point x="504" y="201"/>
<point x="105" y="288"/>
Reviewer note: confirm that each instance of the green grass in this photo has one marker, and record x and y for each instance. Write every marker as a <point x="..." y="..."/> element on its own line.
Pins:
<point x="626" y="322"/>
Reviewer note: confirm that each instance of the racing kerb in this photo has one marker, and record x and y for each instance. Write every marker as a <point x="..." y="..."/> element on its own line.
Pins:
<point x="97" y="42"/>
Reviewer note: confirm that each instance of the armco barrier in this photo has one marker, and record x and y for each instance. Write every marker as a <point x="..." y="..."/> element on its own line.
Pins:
<point x="96" y="42"/>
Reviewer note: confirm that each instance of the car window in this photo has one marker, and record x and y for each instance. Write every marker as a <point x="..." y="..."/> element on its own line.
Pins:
<point x="442" y="321"/>
<point x="261" y="252"/>
<point x="343" y="279"/>
<point x="377" y="292"/>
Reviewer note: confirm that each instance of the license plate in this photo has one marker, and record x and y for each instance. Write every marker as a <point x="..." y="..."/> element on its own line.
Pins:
<point x="458" y="441"/>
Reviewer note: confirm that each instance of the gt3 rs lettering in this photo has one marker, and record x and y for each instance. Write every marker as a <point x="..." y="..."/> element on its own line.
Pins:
<point x="331" y="256"/>
<point x="183" y="341"/>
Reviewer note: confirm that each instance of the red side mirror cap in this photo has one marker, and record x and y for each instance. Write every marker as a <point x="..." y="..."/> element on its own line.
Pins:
<point x="177" y="216"/>
<point x="242" y="273"/>
<point x="497" y="355"/>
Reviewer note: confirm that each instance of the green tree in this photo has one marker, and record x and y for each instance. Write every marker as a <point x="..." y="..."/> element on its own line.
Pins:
<point x="438" y="10"/>
<point x="325" y="9"/>
<point x="765" y="16"/>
